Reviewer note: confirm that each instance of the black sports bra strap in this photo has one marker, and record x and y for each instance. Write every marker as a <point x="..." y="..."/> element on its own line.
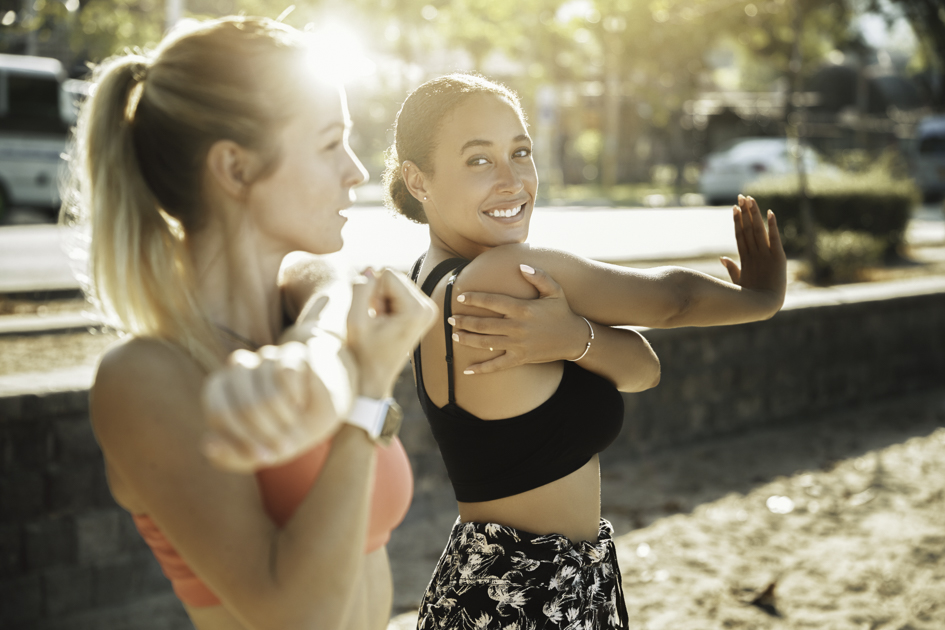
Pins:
<point x="447" y="313"/>
<point x="455" y="265"/>
<point x="441" y="270"/>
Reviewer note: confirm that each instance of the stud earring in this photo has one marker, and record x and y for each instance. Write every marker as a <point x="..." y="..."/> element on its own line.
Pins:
<point x="424" y="198"/>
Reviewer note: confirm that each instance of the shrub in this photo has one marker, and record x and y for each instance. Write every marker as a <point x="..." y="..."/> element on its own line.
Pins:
<point x="870" y="202"/>
<point x="843" y="255"/>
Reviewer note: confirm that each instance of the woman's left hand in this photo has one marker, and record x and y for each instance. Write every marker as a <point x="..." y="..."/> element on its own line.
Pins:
<point x="764" y="264"/>
<point x="526" y="331"/>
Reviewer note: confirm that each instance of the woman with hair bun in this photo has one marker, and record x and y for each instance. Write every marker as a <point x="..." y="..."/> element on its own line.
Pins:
<point x="520" y="429"/>
<point x="198" y="168"/>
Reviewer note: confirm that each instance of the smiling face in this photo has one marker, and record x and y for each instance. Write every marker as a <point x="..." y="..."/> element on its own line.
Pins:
<point x="481" y="191"/>
<point x="298" y="206"/>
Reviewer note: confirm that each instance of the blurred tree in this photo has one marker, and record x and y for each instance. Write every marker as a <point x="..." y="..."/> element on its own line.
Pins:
<point x="630" y="63"/>
<point x="105" y="27"/>
<point x="927" y="18"/>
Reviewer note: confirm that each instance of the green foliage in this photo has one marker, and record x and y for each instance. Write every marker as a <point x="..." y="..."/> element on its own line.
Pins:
<point x="872" y="202"/>
<point x="107" y="27"/>
<point x="843" y="255"/>
<point x="656" y="49"/>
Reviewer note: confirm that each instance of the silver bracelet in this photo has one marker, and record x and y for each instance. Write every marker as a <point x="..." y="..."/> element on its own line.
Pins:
<point x="588" y="347"/>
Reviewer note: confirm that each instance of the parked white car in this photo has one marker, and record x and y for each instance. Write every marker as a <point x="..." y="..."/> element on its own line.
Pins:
<point x="37" y="108"/>
<point x="741" y="162"/>
<point x="930" y="156"/>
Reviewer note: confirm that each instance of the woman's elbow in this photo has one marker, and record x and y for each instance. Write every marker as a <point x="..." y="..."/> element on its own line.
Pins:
<point x="677" y="300"/>
<point x="654" y="377"/>
<point x="643" y="379"/>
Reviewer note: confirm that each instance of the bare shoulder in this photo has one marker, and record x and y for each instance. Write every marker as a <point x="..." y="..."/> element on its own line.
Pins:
<point x="302" y="267"/>
<point x="142" y="378"/>
<point x="497" y="271"/>
<point x="301" y="277"/>
<point x="142" y="363"/>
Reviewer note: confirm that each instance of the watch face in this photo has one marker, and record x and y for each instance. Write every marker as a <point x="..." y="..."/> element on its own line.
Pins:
<point x="395" y="415"/>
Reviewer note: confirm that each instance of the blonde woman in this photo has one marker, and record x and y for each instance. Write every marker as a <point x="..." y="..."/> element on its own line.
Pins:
<point x="199" y="168"/>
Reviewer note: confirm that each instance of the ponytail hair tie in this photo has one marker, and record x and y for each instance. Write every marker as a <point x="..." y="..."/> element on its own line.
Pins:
<point x="140" y="70"/>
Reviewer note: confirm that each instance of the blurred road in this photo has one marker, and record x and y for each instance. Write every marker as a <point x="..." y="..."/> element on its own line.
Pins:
<point x="32" y="256"/>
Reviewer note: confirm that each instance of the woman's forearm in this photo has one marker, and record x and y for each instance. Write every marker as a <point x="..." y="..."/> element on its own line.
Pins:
<point x="624" y="357"/>
<point x="317" y="559"/>
<point x="314" y="563"/>
<point x="707" y="301"/>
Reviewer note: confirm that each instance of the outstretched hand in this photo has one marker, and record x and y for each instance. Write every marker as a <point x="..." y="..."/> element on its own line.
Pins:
<point x="526" y="331"/>
<point x="764" y="264"/>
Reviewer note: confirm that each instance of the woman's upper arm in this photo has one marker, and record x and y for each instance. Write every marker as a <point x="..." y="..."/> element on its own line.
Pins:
<point x="612" y="295"/>
<point x="145" y="410"/>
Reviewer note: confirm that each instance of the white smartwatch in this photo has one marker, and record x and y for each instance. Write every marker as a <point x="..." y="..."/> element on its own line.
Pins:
<point x="379" y="418"/>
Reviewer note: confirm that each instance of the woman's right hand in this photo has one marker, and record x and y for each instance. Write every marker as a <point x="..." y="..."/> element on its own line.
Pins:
<point x="388" y="317"/>
<point x="265" y="407"/>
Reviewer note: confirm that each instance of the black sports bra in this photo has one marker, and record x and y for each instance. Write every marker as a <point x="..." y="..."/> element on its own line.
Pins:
<point x="492" y="459"/>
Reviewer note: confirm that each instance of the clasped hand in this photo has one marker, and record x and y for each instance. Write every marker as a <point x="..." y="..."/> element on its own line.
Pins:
<point x="525" y="331"/>
<point x="267" y="407"/>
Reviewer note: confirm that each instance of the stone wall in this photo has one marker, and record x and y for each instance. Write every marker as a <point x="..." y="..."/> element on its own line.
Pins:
<point x="70" y="557"/>
<point x="801" y="362"/>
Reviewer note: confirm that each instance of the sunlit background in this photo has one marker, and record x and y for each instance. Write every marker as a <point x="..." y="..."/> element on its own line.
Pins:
<point x="625" y="97"/>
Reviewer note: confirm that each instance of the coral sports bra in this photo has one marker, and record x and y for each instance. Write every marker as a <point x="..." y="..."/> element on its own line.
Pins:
<point x="492" y="459"/>
<point x="282" y="489"/>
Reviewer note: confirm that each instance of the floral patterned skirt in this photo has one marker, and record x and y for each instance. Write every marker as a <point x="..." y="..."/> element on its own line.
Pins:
<point x="492" y="577"/>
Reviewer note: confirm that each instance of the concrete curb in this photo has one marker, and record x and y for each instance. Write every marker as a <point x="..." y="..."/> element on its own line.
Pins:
<point x="41" y="324"/>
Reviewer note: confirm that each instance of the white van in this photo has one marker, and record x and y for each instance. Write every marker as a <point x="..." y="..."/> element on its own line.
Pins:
<point x="930" y="156"/>
<point x="37" y="108"/>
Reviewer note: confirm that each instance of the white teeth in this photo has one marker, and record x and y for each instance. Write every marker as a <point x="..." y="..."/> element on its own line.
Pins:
<point x="510" y="212"/>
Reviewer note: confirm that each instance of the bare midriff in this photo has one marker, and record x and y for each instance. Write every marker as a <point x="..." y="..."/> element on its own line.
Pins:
<point x="568" y="506"/>
<point x="370" y="607"/>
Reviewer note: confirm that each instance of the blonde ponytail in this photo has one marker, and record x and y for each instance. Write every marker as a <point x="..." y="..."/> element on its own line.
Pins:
<point x="137" y="159"/>
<point x="140" y="270"/>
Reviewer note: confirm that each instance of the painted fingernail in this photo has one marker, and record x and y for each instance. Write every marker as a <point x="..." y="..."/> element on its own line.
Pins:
<point x="451" y="321"/>
<point x="529" y="270"/>
<point x="455" y="337"/>
<point x="461" y="298"/>
<point x="468" y="372"/>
